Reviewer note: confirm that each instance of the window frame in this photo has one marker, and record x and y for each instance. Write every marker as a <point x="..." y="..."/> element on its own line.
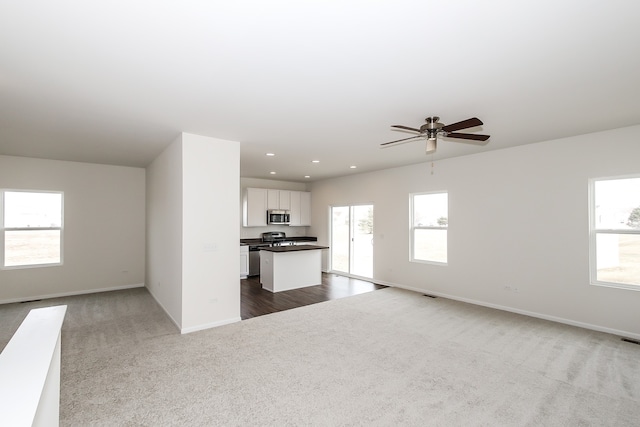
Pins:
<point x="594" y="232"/>
<point x="413" y="228"/>
<point x="4" y="229"/>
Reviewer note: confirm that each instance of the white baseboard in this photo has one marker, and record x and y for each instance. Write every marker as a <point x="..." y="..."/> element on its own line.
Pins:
<point x="209" y="325"/>
<point x="193" y="328"/>
<point x="68" y="294"/>
<point x="570" y="322"/>
<point x="164" y="309"/>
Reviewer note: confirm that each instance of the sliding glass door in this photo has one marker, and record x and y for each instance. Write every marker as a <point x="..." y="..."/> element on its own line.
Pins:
<point x="352" y="240"/>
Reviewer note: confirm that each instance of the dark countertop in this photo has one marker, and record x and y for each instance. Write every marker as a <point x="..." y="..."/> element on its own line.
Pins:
<point x="287" y="239"/>
<point x="281" y="249"/>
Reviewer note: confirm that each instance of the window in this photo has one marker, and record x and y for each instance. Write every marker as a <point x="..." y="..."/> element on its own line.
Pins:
<point x="615" y="232"/>
<point x="31" y="228"/>
<point x="429" y="222"/>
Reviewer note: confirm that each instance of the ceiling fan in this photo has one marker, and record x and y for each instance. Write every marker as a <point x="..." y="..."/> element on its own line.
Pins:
<point x="433" y="128"/>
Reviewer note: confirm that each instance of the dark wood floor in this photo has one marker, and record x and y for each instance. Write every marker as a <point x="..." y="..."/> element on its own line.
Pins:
<point x="256" y="301"/>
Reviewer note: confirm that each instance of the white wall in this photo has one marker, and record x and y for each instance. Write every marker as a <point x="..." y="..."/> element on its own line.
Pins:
<point x="211" y="244"/>
<point x="193" y="253"/>
<point x="254" y="232"/>
<point x="164" y="230"/>
<point x="104" y="232"/>
<point x="517" y="217"/>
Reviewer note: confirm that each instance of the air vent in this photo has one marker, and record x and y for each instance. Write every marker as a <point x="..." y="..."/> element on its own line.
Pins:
<point x="631" y="340"/>
<point x="430" y="296"/>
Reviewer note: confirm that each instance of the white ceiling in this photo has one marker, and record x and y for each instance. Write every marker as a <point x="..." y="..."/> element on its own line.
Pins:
<point x="116" y="82"/>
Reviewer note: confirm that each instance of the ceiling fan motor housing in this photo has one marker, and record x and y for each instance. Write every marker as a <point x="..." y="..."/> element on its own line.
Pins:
<point x="431" y="128"/>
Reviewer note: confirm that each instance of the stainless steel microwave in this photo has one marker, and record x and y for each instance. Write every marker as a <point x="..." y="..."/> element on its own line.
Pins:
<point x="278" y="216"/>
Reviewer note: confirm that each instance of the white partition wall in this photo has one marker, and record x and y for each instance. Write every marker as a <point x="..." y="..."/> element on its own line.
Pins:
<point x="192" y="246"/>
<point x="210" y="280"/>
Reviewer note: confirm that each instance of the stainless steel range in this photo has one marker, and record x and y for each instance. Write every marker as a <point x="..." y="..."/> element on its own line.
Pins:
<point x="269" y="238"/>
<point x="275" y="238"/>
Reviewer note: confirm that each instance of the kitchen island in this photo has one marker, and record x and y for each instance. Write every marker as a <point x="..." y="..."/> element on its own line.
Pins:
<point x="290" y="267"/>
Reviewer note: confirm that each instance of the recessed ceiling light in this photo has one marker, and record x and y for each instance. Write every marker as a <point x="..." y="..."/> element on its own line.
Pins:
<point x="270" y="154"/>
<point x="307" y="176"/>
<point x="352" y="166"/>
<point x="272" y="173"/>
<point x="315" y="161"/>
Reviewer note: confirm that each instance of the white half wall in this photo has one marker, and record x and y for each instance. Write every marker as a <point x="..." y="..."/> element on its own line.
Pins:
<point x="518" y="218"/>
<point x="104" y="228"/>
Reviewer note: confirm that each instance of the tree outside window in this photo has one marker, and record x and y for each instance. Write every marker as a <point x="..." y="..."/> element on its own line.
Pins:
<point x="634" y="218"/>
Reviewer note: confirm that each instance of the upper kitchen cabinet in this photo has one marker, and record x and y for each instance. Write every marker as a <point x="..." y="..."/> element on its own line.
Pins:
<point x="300" y="208"/>
<point x="257" y="201"/>
<point x="279" y="199"/>
<point x="255" y="208"/>
<point x="305" y="208"/>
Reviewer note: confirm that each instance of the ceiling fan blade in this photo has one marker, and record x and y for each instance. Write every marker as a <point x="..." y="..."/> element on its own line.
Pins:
<point x="472" y="136"/>
<point x="388" y="144"/>
<point x="469" y="123"/>
<point x="406" y="128"/>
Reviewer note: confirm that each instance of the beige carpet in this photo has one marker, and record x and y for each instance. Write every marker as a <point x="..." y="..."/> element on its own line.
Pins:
<point x="389" y="357"/>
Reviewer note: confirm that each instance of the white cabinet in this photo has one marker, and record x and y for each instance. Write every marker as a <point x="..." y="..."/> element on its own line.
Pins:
<point x="294" y="213"/>
<point x="285" y="199"/>
<point x="282" y="271"/>
<point x="305" y="208"/>
<point x="273" y="199"/>
<point x="244" y="261"/>
<point x="279" y="199"/>
<point x="255" y="208"/>
<point x="300" y="208"/>
<point x="257" y="201"/>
